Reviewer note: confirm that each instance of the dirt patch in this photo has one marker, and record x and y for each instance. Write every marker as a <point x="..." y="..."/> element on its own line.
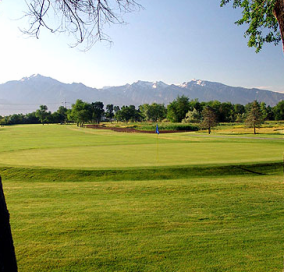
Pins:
<point x="131" y="130"/>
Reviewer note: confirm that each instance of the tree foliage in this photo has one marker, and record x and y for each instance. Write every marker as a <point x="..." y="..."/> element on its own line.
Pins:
<point x="42" y="113"/>
<point x="154" y="112"/>
<point x="97" y="109"/>
<point x="264" y="18"/>
<point x="128" y="113"/>
<point x="209" y="119"/>
<point x="279" y="111"/>
<point x="83" y="112"/>
<point x="254" y="118"/>
<point x="192" y="116"/>
<point x="109" y="111"/>
<point x="177" y="110"/>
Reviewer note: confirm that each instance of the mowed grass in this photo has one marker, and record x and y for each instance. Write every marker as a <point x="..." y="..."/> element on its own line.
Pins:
<point x="55" y="146"/>
<point x="220" y="208"/>
<point x="193" y="224"/>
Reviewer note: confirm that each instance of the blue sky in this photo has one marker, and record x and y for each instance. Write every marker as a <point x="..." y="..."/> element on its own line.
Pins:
<point x="169" y="41"/>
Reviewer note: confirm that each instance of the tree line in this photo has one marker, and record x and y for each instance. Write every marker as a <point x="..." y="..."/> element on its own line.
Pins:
<point x="182" y="109"/>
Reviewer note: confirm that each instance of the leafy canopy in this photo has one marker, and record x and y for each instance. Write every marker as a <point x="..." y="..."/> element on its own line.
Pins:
<point x="259" y="15"/>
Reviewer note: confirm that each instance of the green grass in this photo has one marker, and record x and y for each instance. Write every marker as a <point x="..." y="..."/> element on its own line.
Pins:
<point x="193" y="224"/>
<point x="94" y="200"/>
<point x="56" y="146"/>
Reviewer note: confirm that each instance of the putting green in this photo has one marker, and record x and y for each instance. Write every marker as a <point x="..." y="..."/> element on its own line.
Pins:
<point x="62" y="147"/>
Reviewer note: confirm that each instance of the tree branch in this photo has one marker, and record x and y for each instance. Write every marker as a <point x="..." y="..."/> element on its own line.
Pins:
<point x="83" y="19"/>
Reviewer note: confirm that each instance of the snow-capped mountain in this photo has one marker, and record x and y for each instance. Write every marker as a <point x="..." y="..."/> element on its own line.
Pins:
<point x="27" y="94"/>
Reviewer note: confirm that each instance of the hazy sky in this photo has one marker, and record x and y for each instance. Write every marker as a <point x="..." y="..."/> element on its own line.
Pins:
<point x="169" y="41"/>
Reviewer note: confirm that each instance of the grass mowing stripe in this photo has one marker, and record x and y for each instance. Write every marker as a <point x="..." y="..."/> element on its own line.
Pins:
<point x="41" y="174"/>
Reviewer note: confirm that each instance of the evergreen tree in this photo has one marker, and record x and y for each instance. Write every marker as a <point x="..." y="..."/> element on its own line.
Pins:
<point x="254" y="118"/>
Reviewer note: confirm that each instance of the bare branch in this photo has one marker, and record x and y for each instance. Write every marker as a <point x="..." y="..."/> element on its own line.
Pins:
<point x="84" y="19"/>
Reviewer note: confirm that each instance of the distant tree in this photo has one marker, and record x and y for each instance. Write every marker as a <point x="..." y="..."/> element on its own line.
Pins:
<point x="195" y="104"/>
<point x="239" y="109"/>
<point x="116" y="109"/>
<point x="264" y="17"/>
<point x="15" y="119"/>
<point x="239" y="118"/>
<point x="31" y="118"/>
<point x="97" y="111"/>
<point x="83" y="116"/>
<point x="128" y="113"/>
<point x="177" y="109"/>
<point x="209" y="119"/>
<point x="109" y="111"/>
<point x="270" y="113"/>
<point x="254" y="118"/>
<point x="226" y="112"/>
<point x="62" y="114"/>
<point x="144" y="108"/>
<point x="157" y="112"/>
<point x="55" y="118"/>
<point x="192" y="117"/>
<point x="42" y="113"/>
<point x="153" y="112"/>
<point x="49" y="118"/>
<point x="215" y="105"/>
<point x="124" y="114"/>
<point x="279" y="111"/>
<point x="80" y="113"/>
<point x="267" y="112"/>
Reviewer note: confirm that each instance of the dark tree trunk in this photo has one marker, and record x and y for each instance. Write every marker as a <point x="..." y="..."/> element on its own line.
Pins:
<point x="7" y="252"/>
<point x="279" y="14"/>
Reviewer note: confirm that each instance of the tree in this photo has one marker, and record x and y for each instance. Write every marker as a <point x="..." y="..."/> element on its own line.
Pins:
<point x="239" y="109"/>
<point x="97" y="111"/>
<point x="109" y="111"/>
<point x="265" y="19"/>
<point x="209" y="119"/>
<point x="254" y="118"/>
<point x="42" y="113"/>
<point x="195" y="104"/>
<point x="81" y="112"/>
<point x="153" y="112"/>
<point x="116" y="109"/>
<point x="84" y="19"/>
<point x="62" y="114"/>
<point x="267" y="113"/>
<point x="192" y="117"/>
<point x="128" y="113"/>
<point x="279" y="111"/>
<point x="177" y="110"/>
<point x="31" y="118"/>
<point x="116" y="112"/>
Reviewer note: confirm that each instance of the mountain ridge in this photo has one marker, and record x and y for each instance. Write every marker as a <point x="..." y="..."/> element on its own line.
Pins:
<point x="25" y="95"/>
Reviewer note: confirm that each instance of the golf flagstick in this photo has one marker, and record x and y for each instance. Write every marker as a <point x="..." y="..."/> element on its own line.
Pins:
<point x="157" y="144"/>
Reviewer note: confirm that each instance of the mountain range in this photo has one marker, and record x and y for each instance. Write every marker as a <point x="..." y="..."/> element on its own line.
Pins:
<point x="25" y="95"/>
